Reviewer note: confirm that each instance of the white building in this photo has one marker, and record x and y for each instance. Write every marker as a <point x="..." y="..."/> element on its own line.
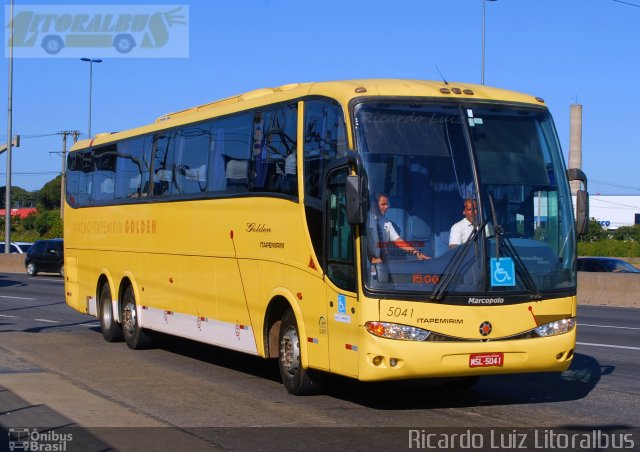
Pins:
<point x="614" y="211"/>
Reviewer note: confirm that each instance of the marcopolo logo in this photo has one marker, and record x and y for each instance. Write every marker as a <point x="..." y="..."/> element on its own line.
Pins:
<point x="109" y="31"/>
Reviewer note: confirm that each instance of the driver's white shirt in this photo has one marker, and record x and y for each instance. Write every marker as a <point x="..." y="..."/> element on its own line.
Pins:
<point x="460" y="232"/>
<point x="390" y="233"/>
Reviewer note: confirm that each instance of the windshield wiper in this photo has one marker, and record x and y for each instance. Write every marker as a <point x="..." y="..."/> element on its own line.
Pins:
<point x="504" y="243"/>
<point x="454" y="264"/>
<point x="521" y="269"/>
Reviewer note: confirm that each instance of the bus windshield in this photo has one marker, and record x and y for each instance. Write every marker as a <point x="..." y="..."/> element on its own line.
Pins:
<point x="468" y="202"/>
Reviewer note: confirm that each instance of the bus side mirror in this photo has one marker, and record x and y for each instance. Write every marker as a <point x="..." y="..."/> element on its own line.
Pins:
<point x="582" y="212"/>
<point x="582" y="200"/>
<point x="356" y="205"/>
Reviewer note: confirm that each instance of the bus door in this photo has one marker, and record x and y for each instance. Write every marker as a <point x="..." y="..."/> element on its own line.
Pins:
<point x="340" y="275"/>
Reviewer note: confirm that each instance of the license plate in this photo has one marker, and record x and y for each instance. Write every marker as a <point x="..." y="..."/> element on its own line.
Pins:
<point x="486" y="359"/>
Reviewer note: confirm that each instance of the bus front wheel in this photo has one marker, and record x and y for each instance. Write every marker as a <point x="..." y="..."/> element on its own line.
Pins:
<point x="111" y="330"/>
<point x="135" y="337"/>
<point x="296" y="379"/>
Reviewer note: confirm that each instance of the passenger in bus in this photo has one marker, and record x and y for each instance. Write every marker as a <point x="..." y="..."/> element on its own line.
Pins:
<point x="386" y="234"/>
<point x="461" y="230"/>
<point x="236" y="173"/>
<point x="290" y="185"/>
<point x="161" y="182"/>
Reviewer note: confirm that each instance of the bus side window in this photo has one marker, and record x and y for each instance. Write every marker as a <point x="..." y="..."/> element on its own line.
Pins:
<point x="161" y="164"/>
<point x="133" y="167"/>
<point x="324" y="139"/>
<point x="229" y="154"/>
<point x="104" y="173"/>
<point x="273" y="167"/>
<point x="74" y="173"/>
<point x="191" y="158"/>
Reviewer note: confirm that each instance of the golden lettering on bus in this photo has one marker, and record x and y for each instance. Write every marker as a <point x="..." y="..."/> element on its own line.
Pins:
<point x="140" y="226"/>
<point x="255" y="227"/>
<point x="102" y="227"/>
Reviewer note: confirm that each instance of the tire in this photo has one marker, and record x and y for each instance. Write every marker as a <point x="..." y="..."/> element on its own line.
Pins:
<point x="32" y="270"/>
<point x="111" y="330"/>
<point x="52" y="44"/>
<point x="61" y="271"/>
<point x="296" y="379"/>
<point x="124" y="43"/>
<point x="134" y="335"/>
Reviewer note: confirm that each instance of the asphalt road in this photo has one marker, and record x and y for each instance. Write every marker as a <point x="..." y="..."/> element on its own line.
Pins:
<point x="58" y="375"/>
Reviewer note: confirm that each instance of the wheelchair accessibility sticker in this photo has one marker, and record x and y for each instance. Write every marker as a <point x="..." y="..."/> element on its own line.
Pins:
<point x="342" y="304"/>
<point x="502" y="272"/>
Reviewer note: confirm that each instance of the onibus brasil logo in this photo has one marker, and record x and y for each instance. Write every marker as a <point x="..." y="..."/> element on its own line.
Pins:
<point x="33" y="440"/>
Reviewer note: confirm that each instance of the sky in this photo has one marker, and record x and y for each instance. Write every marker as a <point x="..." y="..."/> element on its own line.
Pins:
<point x="565" y="51"/>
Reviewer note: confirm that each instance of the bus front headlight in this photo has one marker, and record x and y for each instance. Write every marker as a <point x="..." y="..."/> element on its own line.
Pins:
<point x="397" y="331"/>
<point x="558" y="327"/>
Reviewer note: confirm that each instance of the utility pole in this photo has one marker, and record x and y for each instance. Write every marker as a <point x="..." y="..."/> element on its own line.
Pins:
<point x="90" y="61"/>
<point x="484" y="7"/>
<point x="7" y="199"/>
<point x="63" y="184"/>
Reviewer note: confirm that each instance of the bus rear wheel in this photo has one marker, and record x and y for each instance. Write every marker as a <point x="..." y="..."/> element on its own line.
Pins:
<point x="296" y="379"/>
<point x="111" y="330"/>
<point x="134" y="335"/>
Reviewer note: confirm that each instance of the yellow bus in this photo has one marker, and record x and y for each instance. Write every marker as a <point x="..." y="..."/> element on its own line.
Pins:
<point x="312" y="223"/>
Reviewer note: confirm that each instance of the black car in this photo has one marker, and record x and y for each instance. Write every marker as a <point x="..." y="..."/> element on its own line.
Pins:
<point x="45" y="256"/>
<point x="605" y="264"/>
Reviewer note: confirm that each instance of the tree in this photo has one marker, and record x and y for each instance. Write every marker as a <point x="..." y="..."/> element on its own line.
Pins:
<point x="19" y="197"/>
<point x="596" y="232"/>
<point x="49" y="195"/>
<point x="48" y="224"/>
<point x="627" y="233"/>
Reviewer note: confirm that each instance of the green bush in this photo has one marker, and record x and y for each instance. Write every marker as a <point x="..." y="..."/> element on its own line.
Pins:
<point x="627" y="233"/>
<point x="49" y="225"/>
<point x="40" y="225"/>
<point x="609" y="247"/>
<point x="596" y="232"/>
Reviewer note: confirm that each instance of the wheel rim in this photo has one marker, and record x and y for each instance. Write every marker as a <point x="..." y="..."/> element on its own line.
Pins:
<point x="129" y="318"/>
<point x="290" y="351"/>
<point x="107" y="314"/>
<point x="124" y="46"/>
<point x="31" y="269"/>
<point x="52" y="46"/>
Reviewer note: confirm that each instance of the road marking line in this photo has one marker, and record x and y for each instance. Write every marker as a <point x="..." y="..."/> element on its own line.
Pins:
<point x="16" y="298"/>
<point x="7" y="316"/>
<point x="609" y="326"/>
<point x="626" y="347"/>
<point x="45" y="320"/>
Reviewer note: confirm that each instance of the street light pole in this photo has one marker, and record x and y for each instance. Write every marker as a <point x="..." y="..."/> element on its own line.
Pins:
<point x="7" y="201"/>
<point x="484" y="5"/>
<point x="91" y="61"/>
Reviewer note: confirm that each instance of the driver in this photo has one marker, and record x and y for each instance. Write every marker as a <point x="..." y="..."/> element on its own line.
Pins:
<point x="461" y="231"/>
<point x="386" y="232"/>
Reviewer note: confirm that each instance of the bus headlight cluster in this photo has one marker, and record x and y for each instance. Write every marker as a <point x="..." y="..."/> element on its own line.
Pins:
<point x="396" y="331"/>
<point x="558" y="327"/>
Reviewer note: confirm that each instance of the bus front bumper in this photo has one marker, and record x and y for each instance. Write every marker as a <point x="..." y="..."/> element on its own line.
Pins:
<point x="389" y="359"/>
